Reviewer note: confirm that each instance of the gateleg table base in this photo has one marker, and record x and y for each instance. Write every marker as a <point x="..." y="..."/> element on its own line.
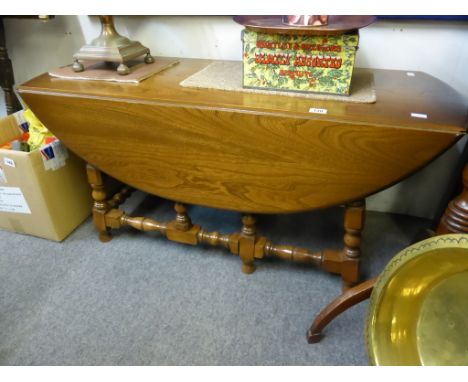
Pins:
<point x="246" y="243"/>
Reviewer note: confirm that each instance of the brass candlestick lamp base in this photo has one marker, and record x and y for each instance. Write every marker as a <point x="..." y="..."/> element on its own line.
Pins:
<point x="111" y="47"/>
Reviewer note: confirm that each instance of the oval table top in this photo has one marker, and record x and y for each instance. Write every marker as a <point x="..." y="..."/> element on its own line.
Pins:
<point x="398" y="95"/>
<point x="246" y="151"/>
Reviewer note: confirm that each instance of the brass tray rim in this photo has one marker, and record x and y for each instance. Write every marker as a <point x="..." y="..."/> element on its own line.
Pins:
<point x="401" y="258"/>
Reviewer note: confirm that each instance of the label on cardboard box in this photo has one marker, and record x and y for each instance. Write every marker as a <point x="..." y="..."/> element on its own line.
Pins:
<point x="9" y="162"/>
<point x="12" y="200"/>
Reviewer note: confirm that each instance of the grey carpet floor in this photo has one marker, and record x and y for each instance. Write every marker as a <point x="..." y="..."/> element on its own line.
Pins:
<point x="142" y="300"/>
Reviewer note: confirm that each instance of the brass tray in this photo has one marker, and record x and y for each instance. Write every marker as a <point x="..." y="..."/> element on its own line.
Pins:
<point x="418" y="312"/>
<point x="274" y="24"/>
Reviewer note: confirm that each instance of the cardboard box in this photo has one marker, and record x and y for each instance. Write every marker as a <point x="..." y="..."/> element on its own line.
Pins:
<point x="303" y="63"/>
<point x="35" y="201"/>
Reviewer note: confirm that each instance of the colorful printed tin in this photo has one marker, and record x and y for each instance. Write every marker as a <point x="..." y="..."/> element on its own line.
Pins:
<point x="303" y="63"/>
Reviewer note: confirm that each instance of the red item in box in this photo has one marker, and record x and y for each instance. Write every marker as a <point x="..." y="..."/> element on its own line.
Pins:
<point x="50" y="140"/>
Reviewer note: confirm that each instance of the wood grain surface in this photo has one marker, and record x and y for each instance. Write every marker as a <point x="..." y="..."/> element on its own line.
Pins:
<point x="398" y="95"/>
<point x="249" y="152"/>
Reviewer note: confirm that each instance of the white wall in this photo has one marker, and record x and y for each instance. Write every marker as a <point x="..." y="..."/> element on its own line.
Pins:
<point x="436" y="47"/>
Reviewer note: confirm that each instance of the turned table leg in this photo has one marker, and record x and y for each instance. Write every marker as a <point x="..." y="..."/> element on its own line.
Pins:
<point x="247" y="244"/>
<point x="343" y="302"/>
<point x="100" y="205"/>
<point x="455" y="218"/>
<point x="353" y="225"/>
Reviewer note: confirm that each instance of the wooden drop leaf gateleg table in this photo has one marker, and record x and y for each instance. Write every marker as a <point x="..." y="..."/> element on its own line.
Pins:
<point x="247" y="152"/>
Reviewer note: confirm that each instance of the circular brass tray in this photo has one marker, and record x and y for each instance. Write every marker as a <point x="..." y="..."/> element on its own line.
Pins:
<point x="418" y="312"/>
<point x="274" y="24"/>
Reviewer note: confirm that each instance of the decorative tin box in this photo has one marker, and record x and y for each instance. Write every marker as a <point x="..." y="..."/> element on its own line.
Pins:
<point x="295" y="62"/>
